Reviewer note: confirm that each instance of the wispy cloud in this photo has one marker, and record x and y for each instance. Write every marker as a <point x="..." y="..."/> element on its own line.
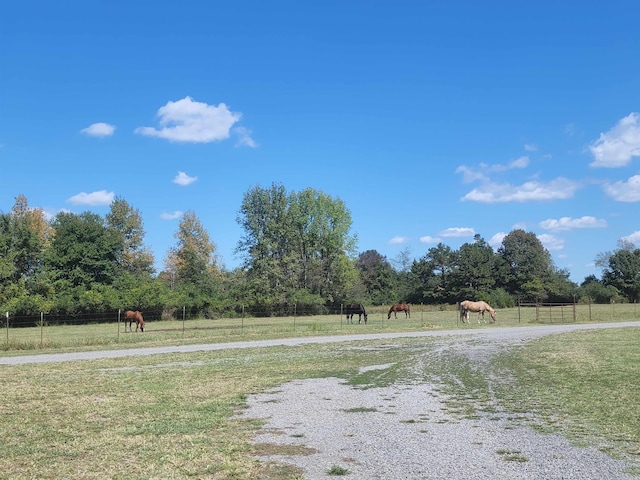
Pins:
<point x="429" y="239"/>
<point x="171" y="216"/>
<point x="530" y="147"/>
<point x="183" y="179"/>
<point x="244" y="137"/>
<point x="568" y="223"/>
<point x="457" y="232"/>
<point x="101" y="197"/>
<point x="633" y="238"/>
<point x="619" y="145"/>
<point x="99" y="130"/>
<point x="557" y="189"/>
<point x="189" y="121"/>
<point x="551" y="242"/>
<point x="628" y="191"/>
<point x="471" y="174"/>
<point x="398" y="240"/>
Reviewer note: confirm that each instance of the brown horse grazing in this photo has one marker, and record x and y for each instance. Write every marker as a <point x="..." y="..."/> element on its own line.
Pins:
<point x="131" y="316"/>
<point x="399" y="307"/>
<point x="479" y="307"/>
<point x="355" y="308"/>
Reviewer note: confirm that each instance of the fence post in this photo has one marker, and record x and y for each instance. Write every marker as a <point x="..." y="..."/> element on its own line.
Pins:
<point x="118" y="334"/>
<point x="7" y="329"/>
<point x="341" y="310"/>
<point x="41" y="327"/>
<point x="242" y="321"/>
<point x="294" y="317"/>
<point x="184" y="307"/>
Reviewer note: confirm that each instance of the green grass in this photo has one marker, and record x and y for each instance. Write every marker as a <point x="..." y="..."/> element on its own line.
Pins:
<point x="337" y="470"/>
<point x="172" y="415"/>
<point x="52" y="338"/>
<point x="586" y="383"/>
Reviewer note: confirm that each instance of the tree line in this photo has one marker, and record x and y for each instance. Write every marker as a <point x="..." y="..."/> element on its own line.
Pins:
<point x="297" y="248"/>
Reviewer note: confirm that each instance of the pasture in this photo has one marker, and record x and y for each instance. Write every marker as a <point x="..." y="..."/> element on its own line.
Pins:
<point x="171" y="416"/>
<point x="76" y="334"/>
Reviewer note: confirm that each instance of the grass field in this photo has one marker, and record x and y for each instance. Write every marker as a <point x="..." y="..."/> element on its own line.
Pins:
<point x="171" y="416"/>
<point x="51" y="338"/>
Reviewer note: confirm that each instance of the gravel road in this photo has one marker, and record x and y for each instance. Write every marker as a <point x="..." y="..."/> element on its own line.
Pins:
<point x="407" y="432"/>
<point x="525" y="332"/>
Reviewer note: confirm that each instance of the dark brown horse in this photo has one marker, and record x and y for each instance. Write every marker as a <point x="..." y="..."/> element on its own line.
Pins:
<point x="133" y="316"/>
<point x="355" y="308"/>
<point x="399" y="307"/>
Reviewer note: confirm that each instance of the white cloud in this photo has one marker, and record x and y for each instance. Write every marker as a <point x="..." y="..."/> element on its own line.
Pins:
<point x="189" y="121"/>
<point x="99" y="130"/>
<point x="183" y="179"/>
<point x="558" y="189"/>
<point x="568" y="223"/>
<point x="632" y="238"/>
<point x="171" y="216"/>
<point x="628" y="191"/>
<point x="619" y="145"/>
<point x="456" y="232"/>
<point x="101" y="197"/>
<point x="551" y="242"/>
<point x="520" y="162"/>
<point x="496" y="240"/>
<point x="398" y="239"/>
<point x="530" y="147"/>
<point x="244" y="137"/>
<point x="429" y="239"/>
<point x="470" y="174"/>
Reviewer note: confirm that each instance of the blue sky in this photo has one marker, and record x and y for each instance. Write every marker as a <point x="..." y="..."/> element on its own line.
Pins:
<point x="432" y="121"/>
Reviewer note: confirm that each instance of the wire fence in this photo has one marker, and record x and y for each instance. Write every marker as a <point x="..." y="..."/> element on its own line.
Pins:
<point x="51" y="331"/>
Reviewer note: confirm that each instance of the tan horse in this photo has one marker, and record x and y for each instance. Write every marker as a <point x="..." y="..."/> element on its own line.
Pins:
<point x="399" y="307"/>
<point x="133" y="316"/>
<point x="479" y="307"/>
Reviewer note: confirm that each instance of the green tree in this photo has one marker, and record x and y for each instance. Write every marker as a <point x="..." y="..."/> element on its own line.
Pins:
<point x="193" y="265"/>
<point x="135" y="258"/>
<point x="621" y="270"/>
<point x="475" y="275"/>
<point x="296" y="246"/>
<point x="527" y="267"/>
<point x="432" y="276"/>
<point x="82" y="261"/>
<point x="378" y="277"/>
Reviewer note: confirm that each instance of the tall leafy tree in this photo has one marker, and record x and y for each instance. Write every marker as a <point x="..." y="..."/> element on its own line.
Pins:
<point x="30" y="236"/>
<point x="295" y="245"/>
<point x="433" y="276"/>
<point x="83" y="250"/>
<point x="266" y="243"/>
<point x="322" y="224"/>
<point x="621" y="270"/>
<point x="475" y="275"/>
<point x="193" y="258"/>
<point x="527" y="267"/>
<point x="135" y="258"/>
<point x="192" y="265"/>
<point x="378" y="277"/>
